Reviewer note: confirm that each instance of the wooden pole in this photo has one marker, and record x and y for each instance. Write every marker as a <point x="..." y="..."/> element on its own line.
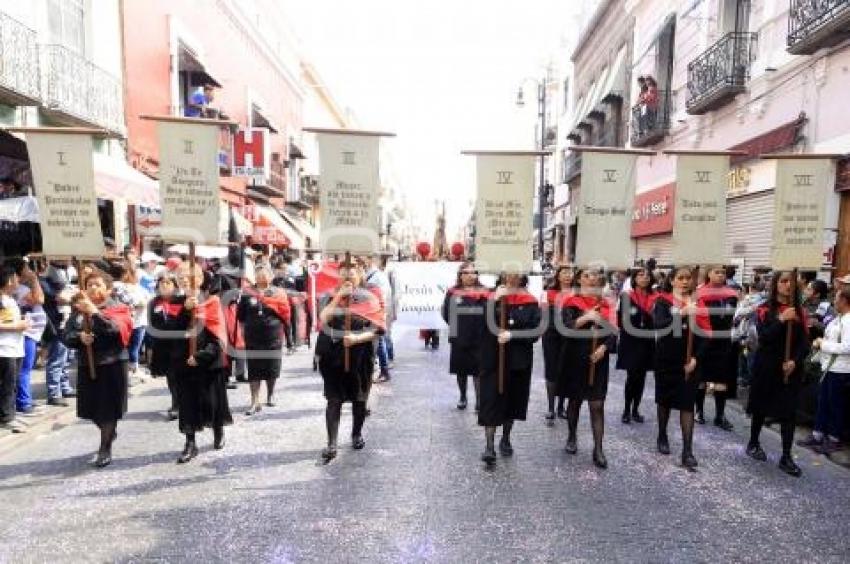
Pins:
<point x="789" y="325"/>
<point x="347" y="326"/>
<point x="81" y="280"/>
<point x="594" y="342"/>
<point x="503" y="323"/>
<point x="689" y="354"/>
<point x="193" y="287"/>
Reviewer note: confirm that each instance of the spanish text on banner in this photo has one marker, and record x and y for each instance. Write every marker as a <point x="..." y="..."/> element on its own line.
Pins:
<point x="699" y="223"/>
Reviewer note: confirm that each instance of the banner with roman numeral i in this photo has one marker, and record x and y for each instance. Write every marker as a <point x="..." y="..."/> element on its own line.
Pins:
<point x="699" y="220"/>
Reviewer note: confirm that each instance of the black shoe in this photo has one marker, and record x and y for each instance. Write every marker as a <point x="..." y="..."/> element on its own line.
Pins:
<point x="723" y="424"/>
<point x="270" y="402"/>
<point x="58" y="402"/>
<point x="218" y="439"/>
<point x="562" y="413"/>
<point x="637" y="417"/>
<point x="626" y="418"/>
<point x="700" y="418"/>
<point x="329" y="453"/>
<point x="461" y="404"/>
<point x="599" y="459"/>
<point x="190" y="451"/>
<point x="231" y="385"/>
<point x="787" y="465"/>
<point x="755" y="452"/>
<point x="505" y="448"/>
<point x="550" y="416"/>
<point x="489" y="455"/>
<point x="572" y="446"/>
<point x="663" y="445"/>
<point x="103" y="460"/>
<point x="357" y="443"/>
<point x="689" y="461"/>
<point x="171" y="414"/>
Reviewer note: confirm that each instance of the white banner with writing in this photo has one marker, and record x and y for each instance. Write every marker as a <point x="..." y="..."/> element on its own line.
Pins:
<point x="604" y="215"/>
<point x="63" y="176"/>
<point x="802" y="186"/>
<point x="349" y="193"/>
<point x="699" y="221"/>
<point x="503" y="213"/>
<point x="189" y="182"/>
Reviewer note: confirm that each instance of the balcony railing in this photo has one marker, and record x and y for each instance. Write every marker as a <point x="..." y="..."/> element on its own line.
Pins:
<point x="572" y="167"/>
<point x="719" y="74"/>
<point x="75" y="87"/>
<point x="18" y="61"/>
<point x="650" y="125"/>
<point x="813" y="24"/>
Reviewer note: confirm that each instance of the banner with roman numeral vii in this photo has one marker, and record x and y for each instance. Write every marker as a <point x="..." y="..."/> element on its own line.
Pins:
<point x="350" y="178"/>
<point x="699" y="220"/>
<point x="604" y="214"/>
<point x="503" y="212"/>
<point x="802" y="186"/>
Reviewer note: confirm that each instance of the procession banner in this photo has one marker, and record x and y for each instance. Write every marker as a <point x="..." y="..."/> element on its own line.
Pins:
<point x="189" y="182"/>
<point x="604" y="216"/>
<point x="802" y="186"/>
<point x="503" y="212"/>
<point x="63" y="176"/>
<point x="699" y="221"/>
<point x="349" y="192"/>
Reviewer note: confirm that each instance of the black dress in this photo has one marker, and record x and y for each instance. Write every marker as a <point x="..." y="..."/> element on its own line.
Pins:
<point x="200" y="390"/>
<point x="673" y="389"/>
<point x="574" y="362"/>
<point x="103" y="399"/>
<point x="636" y="347"/>
<point x="717" y="356"/>
<point x="161" y="319"/>
<point x="552" y="341"/>
<point x="770" y="395"/>
<point x="463" y="311"/>
<point x="522" y="314"/>
<point x="263" y="328"/>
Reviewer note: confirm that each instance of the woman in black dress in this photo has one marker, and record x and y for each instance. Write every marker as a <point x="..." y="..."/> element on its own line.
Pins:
<point x="264" y="314"/>
<point x="463" y="311"/>
<point x="105" y="325"/>
<point x="718" y="354"/>
<point x="590" y="338"/>
<point x="200" y="378"/>
<point x="502" y="405"/>
<point x="775" y="386"/>
<point x="636" y="346"/>
<point x="675" y="381"/>
<point x="559" y="290"/>
<point x="162" y="314"/>
<point x="351" y="318"/>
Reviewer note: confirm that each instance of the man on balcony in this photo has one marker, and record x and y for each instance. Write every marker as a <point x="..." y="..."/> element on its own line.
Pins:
<point x="199" y="101"/>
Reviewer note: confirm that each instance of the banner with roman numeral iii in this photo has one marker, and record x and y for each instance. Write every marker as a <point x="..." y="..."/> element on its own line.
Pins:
<point x="802" y="186"/>
<point x="503" y="212"/>
<point x="699" y="220"/>
<point x="604" y="214"/>
<point x="350" y="178"/>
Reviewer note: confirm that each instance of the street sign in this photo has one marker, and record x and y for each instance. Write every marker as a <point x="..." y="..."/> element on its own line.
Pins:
<point x="252" y="154"/>
<point x="148" y="220"/>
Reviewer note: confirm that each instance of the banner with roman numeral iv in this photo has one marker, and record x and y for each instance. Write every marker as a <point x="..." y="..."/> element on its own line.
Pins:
<point x="802" y="186"/>
<point x="349" y="190"/>
<point x="503" y="211"/>
<point x="63" y="178"/>
<point x="699" y="220"/>
<point x="604" y="214"/>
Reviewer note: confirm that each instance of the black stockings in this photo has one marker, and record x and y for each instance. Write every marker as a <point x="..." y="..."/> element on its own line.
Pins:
<point x="358" y="409"/>
<point x="719" y="403"/>
<point x="332" y="415"/>
<point x="107" y="435"/>
<point x="686" y="421"/>
<point x="635" y="383"/>
<point x="663" y="419"/>
<point x="786" y="430"/>
<point x="597" y="420"/>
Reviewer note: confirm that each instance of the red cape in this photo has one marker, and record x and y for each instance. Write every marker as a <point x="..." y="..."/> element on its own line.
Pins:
<point x="558" y="298"/>
<point x="278" y="302"/>
<point x="367" y="304"/>
<point x="642" y="299"/>
<point x="587" y="303"/>
<point x="119" y="314"/>
<point x="522" y="297"/>
<point x="210" y="314"/>
<point x="763" y="310"/>
<point x="476" y="293"/>
<point x="170" y="309"/>
<point x="705" y="294"/>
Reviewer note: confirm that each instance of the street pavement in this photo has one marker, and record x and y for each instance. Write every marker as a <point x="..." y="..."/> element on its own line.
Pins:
<point x="417" y="493"/>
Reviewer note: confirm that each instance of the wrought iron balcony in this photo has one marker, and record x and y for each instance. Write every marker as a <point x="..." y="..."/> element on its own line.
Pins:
<point x="719" y="74"/>
<point x="813" y="24"/>
<point x="651" y="124"/>
<point x="19" y="81"/>
<point x="77" y="91"/>
<point x="572" y="167"/>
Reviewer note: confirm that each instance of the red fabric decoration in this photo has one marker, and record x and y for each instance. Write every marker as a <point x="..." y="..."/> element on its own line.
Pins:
<point x="607" y="309"/>
<point x="642" y="299"/>
<point x="120" y="315"/>
<point x="457" y="249"/>
<point x="476" y="293"/>
<point x="707" y="294"/>
<point x="278" y="302"/>
<point x="558" y="298"/>
<point x="210" y="314"/>
<point x="369" y="306"/>
<point x="423" y="249"/>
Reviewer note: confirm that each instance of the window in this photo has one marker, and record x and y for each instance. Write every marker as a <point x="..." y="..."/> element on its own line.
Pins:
<point x="66" y="24"/>
<point x="566" y="95"/>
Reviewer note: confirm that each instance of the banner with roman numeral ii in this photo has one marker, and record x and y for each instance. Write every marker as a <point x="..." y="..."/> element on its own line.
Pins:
<point x="802" y="186"/>
<point x="189" y="181"/>
<point x="604" y="212"/>
<point x="503" y="212"/>
<point x="350" y="178"/>
<point x="699" y="220"/>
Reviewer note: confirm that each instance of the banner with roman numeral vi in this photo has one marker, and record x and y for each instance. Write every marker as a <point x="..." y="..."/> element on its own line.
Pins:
<point x="699" y="220"/>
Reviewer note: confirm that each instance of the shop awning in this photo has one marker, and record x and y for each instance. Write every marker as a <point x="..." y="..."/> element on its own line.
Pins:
<point x="243" y="226"/>
<point x="615" y="84"/>
<point x="114" y="179"/>
<point x="306" y="230"/>
<point x="271" y="229"/>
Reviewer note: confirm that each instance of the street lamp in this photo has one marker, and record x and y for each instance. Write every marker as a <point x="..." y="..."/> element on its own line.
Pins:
<point x="541" y="114"/>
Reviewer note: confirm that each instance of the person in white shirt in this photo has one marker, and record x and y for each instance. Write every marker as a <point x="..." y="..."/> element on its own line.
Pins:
<point x="12" y="328"/>
<point x="139" y="298"/>
<point x="830" y="432"/>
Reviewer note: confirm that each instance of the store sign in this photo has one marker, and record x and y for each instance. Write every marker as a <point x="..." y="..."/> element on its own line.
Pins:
<point x="653" y="211"/>
<point x="148" y="221"/>
<point x="750" y="177"/>
<point x="738" y="180"/>
<point x="252" y="154"/>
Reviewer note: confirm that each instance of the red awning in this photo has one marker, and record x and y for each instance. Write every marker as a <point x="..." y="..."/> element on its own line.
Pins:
<point x="773" y="141"/>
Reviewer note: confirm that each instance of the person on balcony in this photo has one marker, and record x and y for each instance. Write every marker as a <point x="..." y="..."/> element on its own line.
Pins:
<point x="199" y="102"/>
<point x="650" y="102"/>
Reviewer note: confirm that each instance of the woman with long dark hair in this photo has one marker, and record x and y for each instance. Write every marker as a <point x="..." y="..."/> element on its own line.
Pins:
<point x="463" y="311"/>
<point x="505" y="399"/>
<point x="559" y="290"/>
<point x="675" y="381"/>
<point x="584" y="366"/>
<point x="636" y="346"/>
<point x="775" y="386"/>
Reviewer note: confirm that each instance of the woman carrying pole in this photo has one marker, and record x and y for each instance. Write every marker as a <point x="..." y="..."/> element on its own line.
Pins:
<point x="560" y="288"/>
<point x="636" y="346"/>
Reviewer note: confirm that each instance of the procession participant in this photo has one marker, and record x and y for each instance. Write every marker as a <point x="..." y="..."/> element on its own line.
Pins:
<point x="675" y="381"/>
<point x="199" y="378"/>
<point x="584" y="360"/>
<point x="463" y="311"/>
<point x="505" y="391"/>
<point x="775" y="386"/>
<point x="636" y="345"/>
<point x="140" y="298"/>
<point x="264" y="314"/>
<point x="164" y="325"/>
<point x="560" y="288"/>
<point x="718" y="352"/>
<point x="12" y="328"/>
<point x="351" y="317"/>
<point x="105" y="325"/>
